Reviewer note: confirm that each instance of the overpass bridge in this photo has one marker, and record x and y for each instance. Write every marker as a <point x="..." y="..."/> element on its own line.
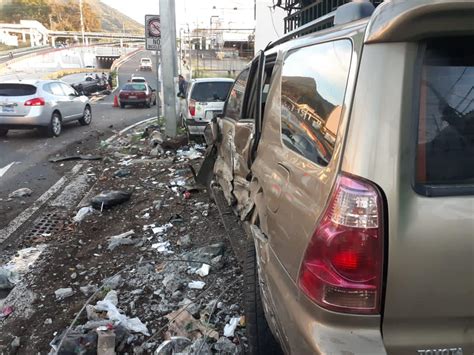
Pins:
<point x="41" y="36"/>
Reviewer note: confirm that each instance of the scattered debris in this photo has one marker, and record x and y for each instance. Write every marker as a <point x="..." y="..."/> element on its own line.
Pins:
<point x="23" y="192"/>
<point x="121" y="239"/>
<point x="122" y="172"/>
<point x="108" y="199"/>
<point x="173" y="345"/>
<point x="62" y="293"/>
<point x="82" y="213"/>
<point x="197" y="285"/>
<point x="203" y="270"/>
<point x="75" y="157"/>
<point x="230" y="327"/>
<point x="182" y="323"/>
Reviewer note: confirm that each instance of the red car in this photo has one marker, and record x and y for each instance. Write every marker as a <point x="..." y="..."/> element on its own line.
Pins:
<point x="137" y="94"/>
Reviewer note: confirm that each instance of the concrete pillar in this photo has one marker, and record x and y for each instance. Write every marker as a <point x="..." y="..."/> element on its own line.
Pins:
<point x="87" y="41"/>
<point x="53" y="41"/>
<point x="32" y="41"/>
<point x="23" y="36"/>
<point x="121" y="42"/>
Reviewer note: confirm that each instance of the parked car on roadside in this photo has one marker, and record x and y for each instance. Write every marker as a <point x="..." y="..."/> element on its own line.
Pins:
<point x="204" y="99"/>
<point x="43" y="104"/>
<point x="137" y="94"/>
<point x="348" y="153"/>
<point x="145" y="64"/>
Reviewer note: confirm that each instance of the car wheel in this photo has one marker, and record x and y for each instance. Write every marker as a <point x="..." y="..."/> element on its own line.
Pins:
<point x="86" y="119"/>
<point x="260" y="337"/>
<point x="154" y="102"/>
<point x="122" y="105"/>
<point x="3" y="132"/>
<point x="55" y="126"/>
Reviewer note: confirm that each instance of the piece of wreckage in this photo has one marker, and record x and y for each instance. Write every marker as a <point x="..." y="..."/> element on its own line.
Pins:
<point x="226" y="166"/>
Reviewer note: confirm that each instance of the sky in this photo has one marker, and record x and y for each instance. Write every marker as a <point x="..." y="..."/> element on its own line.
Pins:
<point x="196" y="13"/>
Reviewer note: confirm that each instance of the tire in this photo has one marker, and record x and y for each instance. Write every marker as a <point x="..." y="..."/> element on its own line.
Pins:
<point x="260" y="338"/>
<point x="55" y="126"/>
<point x="3" y="132"/>
<point x="86" y="119"/>
<point x="122" y="105"/>
<point x="154" y="102"/>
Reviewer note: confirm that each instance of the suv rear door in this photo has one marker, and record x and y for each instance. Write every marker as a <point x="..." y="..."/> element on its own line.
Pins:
<point x="13" y="97"/>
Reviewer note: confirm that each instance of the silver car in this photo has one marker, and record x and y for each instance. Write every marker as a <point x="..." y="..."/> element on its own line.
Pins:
<point x="43" y="104"/>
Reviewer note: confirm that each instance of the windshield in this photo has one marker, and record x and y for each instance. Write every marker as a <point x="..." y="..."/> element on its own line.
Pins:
<point x="445" y="152"/>
<point x="17" y="90"/>
<point x="146" y="60"/>
<point x="134" y="87"/>
<point x="211" y="91"/>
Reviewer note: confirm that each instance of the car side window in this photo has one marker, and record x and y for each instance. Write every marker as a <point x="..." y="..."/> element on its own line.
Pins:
<point x="68" y="90"/>
<point x="236" y="96"/>
<point x="56" y="89"/>
<point x="313" y="86"/>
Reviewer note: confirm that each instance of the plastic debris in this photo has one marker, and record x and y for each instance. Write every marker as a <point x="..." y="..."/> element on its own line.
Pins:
<point x="62" y="293"/>
<point x="203" y="270"/>
<point x="162" y="247"/>
<point x="121" y="239"/>
<point x="191" y="154"/>
<point x="23" y="192"/>
<point x="172" y="346"/>
<point x="8" y="279"/>
<point x="184" y="324"/>
<point x="196" y="285"/>
<point x="230" y="327"/>
<point x="132" y="324"/>
<point x="122" y="173"/>
<point x="161" y="229"/>
<point x="108" y="199"/>
<point x="6" y="311"/>
<point x="82" y="213"/>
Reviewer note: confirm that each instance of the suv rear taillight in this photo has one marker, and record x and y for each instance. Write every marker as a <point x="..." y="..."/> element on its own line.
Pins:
<point x="192" y="107"/>
<point x="37" y="101"/>
<point x="343" y="264"/>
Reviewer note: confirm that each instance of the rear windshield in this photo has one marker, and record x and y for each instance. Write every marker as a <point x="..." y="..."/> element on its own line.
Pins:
<point x="135" y="87"/>
<point x="445" y="149"/>
<point x="17" y="90"/>
<point x="212" y="91"/>
<point x="146" y="60"/>
<point x="138" y="80"/>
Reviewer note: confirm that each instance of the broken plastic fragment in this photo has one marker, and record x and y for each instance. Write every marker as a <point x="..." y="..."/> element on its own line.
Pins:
<point x="230" y="327"/>
<point x="196" y="285"/>
<point x="82" y="213"/>
<point x="203" y="270"/>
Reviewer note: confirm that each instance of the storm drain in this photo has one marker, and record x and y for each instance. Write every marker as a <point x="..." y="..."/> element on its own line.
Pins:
<point x="46" y="225"/>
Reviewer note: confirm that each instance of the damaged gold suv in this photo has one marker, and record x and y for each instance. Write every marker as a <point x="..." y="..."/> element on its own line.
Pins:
<point x="347" y="149"/>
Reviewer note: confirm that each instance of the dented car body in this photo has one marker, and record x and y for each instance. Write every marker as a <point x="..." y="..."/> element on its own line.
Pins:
<point x="348" y="154"/>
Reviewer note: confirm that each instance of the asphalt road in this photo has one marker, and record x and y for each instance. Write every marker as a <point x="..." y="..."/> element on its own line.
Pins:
<point x="29" y="150"/>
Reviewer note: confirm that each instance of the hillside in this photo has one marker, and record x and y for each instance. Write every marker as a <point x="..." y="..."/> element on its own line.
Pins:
<point x="113" y="20"/>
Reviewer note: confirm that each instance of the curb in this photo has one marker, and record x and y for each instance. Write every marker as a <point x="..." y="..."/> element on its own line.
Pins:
<point x="111" y="138"/>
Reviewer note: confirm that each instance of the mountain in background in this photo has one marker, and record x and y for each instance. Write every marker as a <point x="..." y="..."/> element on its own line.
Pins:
<point x="113" y="20"/>
<point x="63" y="15"/>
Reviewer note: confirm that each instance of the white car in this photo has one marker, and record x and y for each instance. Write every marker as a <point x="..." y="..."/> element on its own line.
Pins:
<point x="205" y="98"/>
<point x="145" y="64"/>
<point x="137" y="79"/>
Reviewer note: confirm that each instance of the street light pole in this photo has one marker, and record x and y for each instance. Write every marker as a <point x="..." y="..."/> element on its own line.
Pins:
<point x="82" y="21"/>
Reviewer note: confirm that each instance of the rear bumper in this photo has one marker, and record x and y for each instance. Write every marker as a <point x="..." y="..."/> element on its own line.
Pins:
<point x="196" y="127"/>
<point x="133" y="101"/>
<point x="145" y="68"/>
<point x="37" y="117"/>
<point x="305" y="328"/>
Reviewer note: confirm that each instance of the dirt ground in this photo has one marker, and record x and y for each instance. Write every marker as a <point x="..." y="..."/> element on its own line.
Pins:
<point x="176" y="229"/>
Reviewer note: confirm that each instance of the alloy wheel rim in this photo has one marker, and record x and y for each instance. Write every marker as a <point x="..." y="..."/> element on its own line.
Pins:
<point x="56" y="125"/>
<point x="87" y="115"/>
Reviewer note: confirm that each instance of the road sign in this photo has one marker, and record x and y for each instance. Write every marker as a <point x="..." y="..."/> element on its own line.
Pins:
<point x="152" y="32"/>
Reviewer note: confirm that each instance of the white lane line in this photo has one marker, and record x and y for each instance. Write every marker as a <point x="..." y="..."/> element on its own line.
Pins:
<point x="5" y="168"/>
<point x="26" y="214"/>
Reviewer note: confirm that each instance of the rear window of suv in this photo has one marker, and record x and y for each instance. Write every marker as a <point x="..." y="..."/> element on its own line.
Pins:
<point x="135" y="87"/>
<point x="445" y="144"/>
<point x="17" y="90"/>
<point x="211" y="91"/>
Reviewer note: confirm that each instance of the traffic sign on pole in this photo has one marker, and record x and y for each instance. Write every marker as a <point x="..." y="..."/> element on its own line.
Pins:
<point x="152" y="32"/>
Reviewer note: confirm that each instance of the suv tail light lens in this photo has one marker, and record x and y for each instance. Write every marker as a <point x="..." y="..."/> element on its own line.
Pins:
<point x="37" y="101"/>
<point x="343" y="264"/>
<point x="192" y="107"/>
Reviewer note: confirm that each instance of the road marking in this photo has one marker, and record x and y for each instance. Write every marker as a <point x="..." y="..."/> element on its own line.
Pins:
<point x="5" y="168"/>
<point x="26" y="214"/>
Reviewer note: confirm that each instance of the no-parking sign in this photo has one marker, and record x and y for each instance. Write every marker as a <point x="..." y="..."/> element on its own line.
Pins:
<point x="152" y="32"/>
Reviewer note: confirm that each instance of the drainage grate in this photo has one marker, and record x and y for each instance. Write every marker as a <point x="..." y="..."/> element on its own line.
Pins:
<point x="47" y="224"/>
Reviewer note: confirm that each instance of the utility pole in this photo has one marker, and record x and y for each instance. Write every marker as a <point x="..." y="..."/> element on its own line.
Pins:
<point x="82" y="21"/>
<point x="169" y="64"/>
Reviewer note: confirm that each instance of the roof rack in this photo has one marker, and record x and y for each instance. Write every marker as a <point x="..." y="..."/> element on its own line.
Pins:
<point x="346" y="13"/>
